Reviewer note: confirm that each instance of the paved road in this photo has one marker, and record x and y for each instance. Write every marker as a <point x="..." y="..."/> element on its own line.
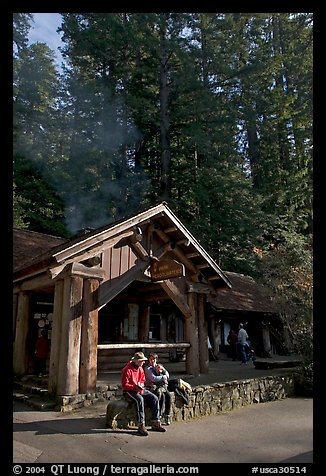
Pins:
<point x="272" y="432"/>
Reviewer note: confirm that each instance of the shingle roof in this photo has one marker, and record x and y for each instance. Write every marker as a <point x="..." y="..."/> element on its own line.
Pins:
<point x="27" y="245"/>
<point x="245" y="295"/>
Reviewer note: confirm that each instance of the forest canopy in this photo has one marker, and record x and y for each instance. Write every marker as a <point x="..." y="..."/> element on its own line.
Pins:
<point x="210" y="112"/>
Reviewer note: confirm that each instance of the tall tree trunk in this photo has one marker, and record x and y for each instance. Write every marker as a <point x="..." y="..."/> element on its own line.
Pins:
<point x="164" y="113"/>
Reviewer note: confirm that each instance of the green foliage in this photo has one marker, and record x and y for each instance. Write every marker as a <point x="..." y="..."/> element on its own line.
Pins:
<point x="36" y="204"/>
<point x="286" y="269"/>
<point x="21" y="26"/>
<point x="209" y="111"/>
<point x="304" y="380"/>
<point x="19" y="216"/>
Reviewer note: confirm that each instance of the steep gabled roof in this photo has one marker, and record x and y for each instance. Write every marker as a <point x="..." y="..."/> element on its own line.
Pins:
<point x="245" y="295"/>
<point x="164" y="222"/>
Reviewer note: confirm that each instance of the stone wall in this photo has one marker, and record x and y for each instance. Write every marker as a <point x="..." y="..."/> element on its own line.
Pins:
<point x="205" y="400"/>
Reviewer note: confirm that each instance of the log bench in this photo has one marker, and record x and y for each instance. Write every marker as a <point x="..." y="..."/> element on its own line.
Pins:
<point x="276" y="364"/>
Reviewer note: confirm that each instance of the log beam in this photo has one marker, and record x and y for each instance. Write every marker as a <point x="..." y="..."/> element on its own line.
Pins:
<point x="198" y="288"/>
<point x="77" y="269"/>
<point x="178" y="297"/>
<point x="40" y="281"/>
<point x="145" y="345"/>
<point x="108" y="291"/>
<point x="170" y="246"/>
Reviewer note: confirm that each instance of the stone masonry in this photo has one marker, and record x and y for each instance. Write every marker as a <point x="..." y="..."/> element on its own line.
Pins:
<point x="205" y="400"/>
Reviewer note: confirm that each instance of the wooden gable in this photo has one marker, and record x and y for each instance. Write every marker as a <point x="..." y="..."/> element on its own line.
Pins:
<point x="126" y="248"/>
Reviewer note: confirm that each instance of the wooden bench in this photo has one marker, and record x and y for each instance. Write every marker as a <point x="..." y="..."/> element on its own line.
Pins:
<point x="276" y="364"/>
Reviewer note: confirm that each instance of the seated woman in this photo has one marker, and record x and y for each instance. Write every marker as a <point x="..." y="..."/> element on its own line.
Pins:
<point x="157" y="378"/>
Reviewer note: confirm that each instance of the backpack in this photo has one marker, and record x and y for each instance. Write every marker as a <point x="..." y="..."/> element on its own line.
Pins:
<point x="181" y="388"/>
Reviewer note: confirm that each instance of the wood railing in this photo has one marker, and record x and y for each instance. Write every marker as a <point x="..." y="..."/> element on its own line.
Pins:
<point x="145" y="345"/>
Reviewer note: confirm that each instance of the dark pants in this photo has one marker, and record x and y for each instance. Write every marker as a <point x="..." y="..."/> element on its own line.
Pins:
<point x="233" y="351"/>
<point x="40" y="366"/>
<point x="139" y="400"/>
<point x="242" y="353"/>
<point x="164" y="397"/>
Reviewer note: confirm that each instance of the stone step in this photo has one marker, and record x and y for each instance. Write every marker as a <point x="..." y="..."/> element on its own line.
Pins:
<point x="31" y="389"/>
<point x="35" y="396"/>
<point x="39" y="397"/>
<point x="35" y="401"/>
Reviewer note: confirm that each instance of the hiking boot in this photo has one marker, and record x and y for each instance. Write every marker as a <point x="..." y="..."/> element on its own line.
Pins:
<point x="167" y="420"/>
<point x="156" y="426"/>
<point x="142" y="430"/>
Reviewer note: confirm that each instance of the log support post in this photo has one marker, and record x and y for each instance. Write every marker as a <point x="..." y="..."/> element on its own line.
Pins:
<point x="20" y="357"/>
<point x="89" y="337"/>
<point x="14" y="312"/>
<point x="202" y="335"/>
<point x="56" y="336"/>
<point x="191" y="334"/>
<point x="266" y="341"/>
<point x="69" y="353"/>
<point x="73" y="359"/>
<point x="214" y="334"/>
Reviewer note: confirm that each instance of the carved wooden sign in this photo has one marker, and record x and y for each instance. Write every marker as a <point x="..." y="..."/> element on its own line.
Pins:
<point x="166" y="269"/>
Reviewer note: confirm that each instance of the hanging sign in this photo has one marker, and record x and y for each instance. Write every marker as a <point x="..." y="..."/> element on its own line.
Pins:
<point x="166" y="269"/>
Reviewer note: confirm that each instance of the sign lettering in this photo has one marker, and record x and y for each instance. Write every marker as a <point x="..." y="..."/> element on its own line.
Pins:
<point x="166" y="269"/>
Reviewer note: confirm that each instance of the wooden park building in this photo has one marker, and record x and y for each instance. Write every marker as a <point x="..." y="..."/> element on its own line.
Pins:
<point x="141" y="283"/>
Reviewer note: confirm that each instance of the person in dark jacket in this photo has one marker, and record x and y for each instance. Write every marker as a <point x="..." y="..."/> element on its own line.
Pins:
<point x="233" y="341"/>
<point x="133" y="387"/>
<point x="41" y="353"/>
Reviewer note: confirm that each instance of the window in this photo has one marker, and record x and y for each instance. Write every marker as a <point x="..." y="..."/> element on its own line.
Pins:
<point x="154" y="327"/>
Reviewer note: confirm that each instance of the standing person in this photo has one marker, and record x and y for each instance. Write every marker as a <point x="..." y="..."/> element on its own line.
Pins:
<point x="133" y="382"/>
<point x="232" y="339"/>
<point x="157" y="378"/>
<point x="41" y="353"/>
<point x="242" y="342"/>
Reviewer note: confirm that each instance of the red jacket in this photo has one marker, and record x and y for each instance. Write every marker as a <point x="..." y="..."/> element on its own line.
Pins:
<point x="42" y="348"/>
<point x="232" y="338"/>
<point x="131" y="375"/>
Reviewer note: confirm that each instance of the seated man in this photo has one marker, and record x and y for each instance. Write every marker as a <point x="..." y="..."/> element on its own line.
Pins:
<point x="132" y="381"/>
<point x="157" y="378"/>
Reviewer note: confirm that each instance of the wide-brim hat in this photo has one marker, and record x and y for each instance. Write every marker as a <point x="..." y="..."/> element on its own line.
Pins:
<point x="139" y="356"/>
